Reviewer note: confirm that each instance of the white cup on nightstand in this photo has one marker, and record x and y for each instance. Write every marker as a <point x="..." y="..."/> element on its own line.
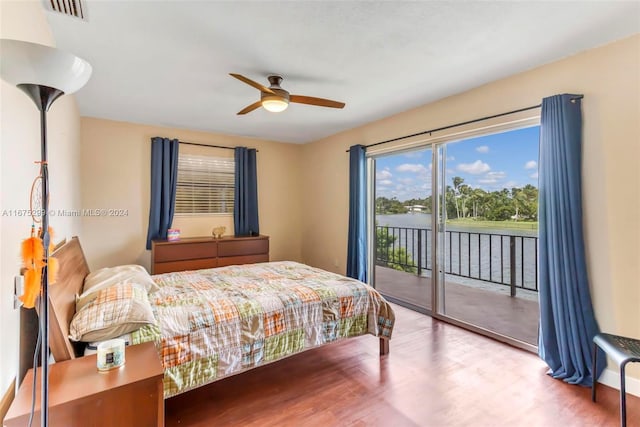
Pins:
<point x="110" y="354"/>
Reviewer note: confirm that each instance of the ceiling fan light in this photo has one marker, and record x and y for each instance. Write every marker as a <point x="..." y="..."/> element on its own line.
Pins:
<point x="274" y="104"/>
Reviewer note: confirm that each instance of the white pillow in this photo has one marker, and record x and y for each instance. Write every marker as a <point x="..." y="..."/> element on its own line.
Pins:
<point x="109" y="276"/>
<point x="113" y="311"/>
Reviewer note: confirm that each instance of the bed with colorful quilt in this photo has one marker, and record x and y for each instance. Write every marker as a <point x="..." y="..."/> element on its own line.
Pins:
<point x="213" y="323"/>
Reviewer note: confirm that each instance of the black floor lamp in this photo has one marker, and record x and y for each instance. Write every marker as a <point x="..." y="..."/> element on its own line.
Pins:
<point x="44" y="74"/>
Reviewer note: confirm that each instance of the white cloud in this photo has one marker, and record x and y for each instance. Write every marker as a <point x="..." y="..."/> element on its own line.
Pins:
<point x="412" y="167"/>
<point x="492" y="177"/>
<point x="531" y="164"/>
<point x="482" y="149"/>
<point x="534" y="175"/>
<point x="383" y="174"/>
<point x="511" y="184"/>
<point x="497" y="175"/>
<point x="385" y="182"/>
<point x="405" y="181"/>
<point x="475" y="168"/>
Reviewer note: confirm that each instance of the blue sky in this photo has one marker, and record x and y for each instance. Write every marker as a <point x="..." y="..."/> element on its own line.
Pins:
<point x="492" y="162"/>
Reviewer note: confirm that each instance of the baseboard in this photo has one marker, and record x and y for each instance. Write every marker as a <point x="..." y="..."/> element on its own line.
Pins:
<point x="612" y="379"/>
<point x="7" y="398"/>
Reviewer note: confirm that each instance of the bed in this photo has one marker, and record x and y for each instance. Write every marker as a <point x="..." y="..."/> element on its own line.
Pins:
<point x="213" y="323"/>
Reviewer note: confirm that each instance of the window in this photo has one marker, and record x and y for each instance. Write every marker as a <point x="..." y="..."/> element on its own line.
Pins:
<point x="205" y="185"/>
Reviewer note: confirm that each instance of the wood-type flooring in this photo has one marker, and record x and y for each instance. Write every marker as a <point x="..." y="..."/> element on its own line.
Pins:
<point x="435" y="375"/>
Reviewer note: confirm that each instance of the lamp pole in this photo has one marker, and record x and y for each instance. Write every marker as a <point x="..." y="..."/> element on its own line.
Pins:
<point x="44" y="74"/>
<point x="43" y="97"/>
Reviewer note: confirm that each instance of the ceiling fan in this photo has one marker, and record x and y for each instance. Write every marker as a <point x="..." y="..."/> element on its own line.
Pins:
<point x="276" y="99"/>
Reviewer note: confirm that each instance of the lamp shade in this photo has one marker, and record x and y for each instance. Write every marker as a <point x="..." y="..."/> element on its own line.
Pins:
<point x="31" y="63"/>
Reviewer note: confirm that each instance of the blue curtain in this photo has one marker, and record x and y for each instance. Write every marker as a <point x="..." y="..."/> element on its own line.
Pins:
<point x="245" y="208"/>
<point x="357" y="246"/>
<point x="164" y="175"/>
<point x="567" y="321"/>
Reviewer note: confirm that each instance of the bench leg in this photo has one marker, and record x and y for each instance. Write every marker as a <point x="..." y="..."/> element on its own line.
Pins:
<point x="384" y="346"/>
<point x="623" y="397"/>
<point x="593" y="372"/>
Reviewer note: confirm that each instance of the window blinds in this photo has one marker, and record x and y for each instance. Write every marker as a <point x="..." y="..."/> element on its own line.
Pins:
<point x="205" y="185"/>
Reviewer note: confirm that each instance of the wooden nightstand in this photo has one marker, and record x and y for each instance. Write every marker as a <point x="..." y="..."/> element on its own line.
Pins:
<point x="79" y="395"/>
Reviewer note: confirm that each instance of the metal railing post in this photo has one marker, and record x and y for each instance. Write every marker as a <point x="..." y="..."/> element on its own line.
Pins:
<point x="512" y="261"/>
<point x="419" y="252"/>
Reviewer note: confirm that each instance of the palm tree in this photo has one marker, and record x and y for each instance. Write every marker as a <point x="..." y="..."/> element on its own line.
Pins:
<point x="478" y="199"/>
<point x="457" y="182"/>
<point x="465" y="193"/>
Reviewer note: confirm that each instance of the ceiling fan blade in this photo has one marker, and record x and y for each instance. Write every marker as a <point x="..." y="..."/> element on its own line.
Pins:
<point x="250" y="108"/>
<point x="321" y="102"/>
<point x="252" y="83"/>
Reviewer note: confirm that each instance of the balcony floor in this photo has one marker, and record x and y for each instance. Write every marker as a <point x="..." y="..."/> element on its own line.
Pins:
<point x="510" y="316"/>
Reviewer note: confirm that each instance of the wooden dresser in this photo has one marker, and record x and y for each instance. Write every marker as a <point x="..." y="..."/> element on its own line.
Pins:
<point x="194" y="253"/>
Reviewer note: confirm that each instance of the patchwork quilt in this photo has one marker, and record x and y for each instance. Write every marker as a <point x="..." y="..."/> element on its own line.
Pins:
<point x="218" y="322"/>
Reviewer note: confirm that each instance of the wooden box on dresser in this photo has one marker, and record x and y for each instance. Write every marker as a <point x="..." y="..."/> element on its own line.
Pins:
<point x="194" y="253"/>
<point x="81" y="396"/>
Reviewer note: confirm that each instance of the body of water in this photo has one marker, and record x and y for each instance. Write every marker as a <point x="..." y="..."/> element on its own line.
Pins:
<point x="477" y="253"/>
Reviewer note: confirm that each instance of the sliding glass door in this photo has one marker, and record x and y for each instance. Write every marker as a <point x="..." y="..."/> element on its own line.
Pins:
<point x="488" y="233"/>
<point x="480" y="232"/>
<point x="402" y="235"/>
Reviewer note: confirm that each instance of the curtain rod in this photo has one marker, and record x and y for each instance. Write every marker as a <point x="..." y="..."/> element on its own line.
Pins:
<point x="459" y="124"/>
<point x="206" y="145"/>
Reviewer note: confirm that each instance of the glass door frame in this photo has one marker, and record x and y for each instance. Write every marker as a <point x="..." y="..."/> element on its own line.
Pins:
<point x="438" y="219"/>
<point x="371" y="233"/>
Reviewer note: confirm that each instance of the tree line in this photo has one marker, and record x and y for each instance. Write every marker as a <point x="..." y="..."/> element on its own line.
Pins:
<point x="464" y="201"/>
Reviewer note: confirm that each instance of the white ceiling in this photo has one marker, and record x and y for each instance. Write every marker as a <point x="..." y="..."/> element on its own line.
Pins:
<point x="167" y="62"/>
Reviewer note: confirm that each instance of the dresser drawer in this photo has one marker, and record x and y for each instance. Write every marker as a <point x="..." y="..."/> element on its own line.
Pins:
<point x="177" y="252"/>
<point x="243" y="247"/>
<point x="244" y="259"/>
<point x="188" y="264"/>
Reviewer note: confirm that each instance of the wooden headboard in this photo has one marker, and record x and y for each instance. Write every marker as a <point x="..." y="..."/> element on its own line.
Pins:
<point x="62" y="297"/>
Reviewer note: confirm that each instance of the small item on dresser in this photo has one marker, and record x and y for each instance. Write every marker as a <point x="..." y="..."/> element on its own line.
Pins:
<point x="110" y="354"/>
<point x="173" y="234"/>
<point x="218" y="231"/>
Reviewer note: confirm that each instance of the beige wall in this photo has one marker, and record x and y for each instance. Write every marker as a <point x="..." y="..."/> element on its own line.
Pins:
<point x="19" y="148"/>
<point x="303" y="190"/>
<point x="115" y="175"/>
<point x="609" y="77"/>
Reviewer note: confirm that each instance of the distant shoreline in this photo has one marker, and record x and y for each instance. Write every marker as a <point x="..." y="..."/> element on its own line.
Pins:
<point x="423" y="220"/>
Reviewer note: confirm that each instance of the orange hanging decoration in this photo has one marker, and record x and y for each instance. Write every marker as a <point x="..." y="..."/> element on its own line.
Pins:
<point x="52" y="270"/>
<point x="32" y="252"/>
<point x="31" y="288"/>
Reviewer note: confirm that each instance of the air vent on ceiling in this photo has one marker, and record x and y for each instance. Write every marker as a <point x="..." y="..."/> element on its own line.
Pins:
<point x="74" y="8"/>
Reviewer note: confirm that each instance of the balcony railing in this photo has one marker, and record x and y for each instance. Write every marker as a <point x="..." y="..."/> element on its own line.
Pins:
<point x="505" y="259"/>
